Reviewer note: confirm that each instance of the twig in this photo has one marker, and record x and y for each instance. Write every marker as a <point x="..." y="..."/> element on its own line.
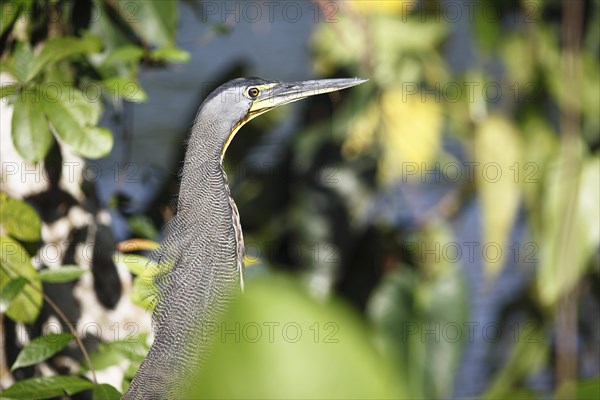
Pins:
<point x="63" y="317"/>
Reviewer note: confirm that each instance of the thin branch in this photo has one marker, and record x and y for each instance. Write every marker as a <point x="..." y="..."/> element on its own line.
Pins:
<point x="62" y="316"/>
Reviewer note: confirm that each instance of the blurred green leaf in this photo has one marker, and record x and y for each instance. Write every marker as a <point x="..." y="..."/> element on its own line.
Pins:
<point x="30" y="133"/>
<point x="124" y="54"/>
<point x="88" y="141"/>
<point x="526" y="357"/>
<point x="41" y="348"/>
<point x="141" y="226"/>
<point x="22" y="61"/>
<point x="588" y="389"/>
<point x="15" y="263"/>
<point x="8" y="90"/>
<point x="57" y="49"/>
<point x="9" y="292"/>
<point x="66" y="273"/>
<point x="10" y="11"/>
<point x="47" y="387"/>
<point x="571" y="210"/>
<point x="83" y="109"/>
<point x="153" y="21"/>
<point x="498" y="152"/>
<point x="19" y="219"/>
<point x="126" y="89"/>
<point x="312" y="350"/>
<point x="171" y="54"/>
<point x="105" y="392"/>
<point x="137" y="264"/>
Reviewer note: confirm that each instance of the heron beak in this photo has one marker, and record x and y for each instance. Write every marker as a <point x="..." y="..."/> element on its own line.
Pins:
<point x="280" y="93"/>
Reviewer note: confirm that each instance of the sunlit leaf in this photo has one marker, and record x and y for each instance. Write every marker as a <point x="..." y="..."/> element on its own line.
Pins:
<point x="382" y="6"/>
<point x="88" y="141"/>
<point x="126" y="89"/>
<point x="362" y="132"/>
<point x="22" y="60"/>
<point x="153" y="21"/>
<point x="9" y="292"/>
<point x="137" y="264"/>
<point x="30" y="133"/>
<point x="105" y="392"/>
<point x="497" y="152"/>
<point x="124" y="54"/>
<point x="571" y="210"/>
<point x="41" y="348"/>
<point x="412" y="133"/>
<point x="66" y="273"/>
<point x="19" y="219"/>
<point x="15" y="263"/>
<point x="47" y="387"/>
<point x="171" y="54"/>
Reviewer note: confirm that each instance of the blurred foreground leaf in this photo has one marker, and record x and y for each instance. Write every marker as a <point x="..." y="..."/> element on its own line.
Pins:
<point x="498" y="152"/>
<point x="280" y="343"/>
<point x="571" y="211"/>
<point x="66" y="273"/>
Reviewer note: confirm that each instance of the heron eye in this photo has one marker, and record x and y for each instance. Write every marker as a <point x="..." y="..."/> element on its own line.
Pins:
<point x="253" y="92"/>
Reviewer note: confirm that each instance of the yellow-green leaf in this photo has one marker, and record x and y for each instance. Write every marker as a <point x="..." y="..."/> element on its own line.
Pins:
<point x="498" y="151"/>
<point x="65" y="273"/>
<point x="19" y="219"/>
<point x="15" y="263"/>
<point x="412" y="133"/>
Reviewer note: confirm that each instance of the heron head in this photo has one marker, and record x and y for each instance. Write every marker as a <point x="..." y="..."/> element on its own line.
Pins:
<point x="238" y="101"/>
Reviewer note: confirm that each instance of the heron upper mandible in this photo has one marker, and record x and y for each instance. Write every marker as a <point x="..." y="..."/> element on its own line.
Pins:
<point x="203" y="241"/>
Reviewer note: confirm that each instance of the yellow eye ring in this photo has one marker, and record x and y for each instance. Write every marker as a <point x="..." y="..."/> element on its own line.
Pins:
<point x="253" y="92"/>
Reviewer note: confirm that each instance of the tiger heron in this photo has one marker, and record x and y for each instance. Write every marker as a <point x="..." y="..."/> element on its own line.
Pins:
<point x="203" y="241"/>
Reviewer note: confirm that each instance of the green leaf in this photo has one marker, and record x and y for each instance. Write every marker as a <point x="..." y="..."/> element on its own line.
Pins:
<point x="87" y="141"/>
<point x="137" y="264"/>
<point x="124" y="54"/>
<point x="9" y="292"/>
<point x="570" y="213"/>
<point x="331" y="351"/>
<point x="65" y="273"/>
<point x="59" y="48"/>
<point x="15" y="263"/>
<point x="22" y="61"/>
<point x="41" y="348"/>
<point x="588" y="389"/>
<point x="105" y="392"/>
<point x="153" y="21"/>
<point x="171" y="54"/>
<point x="126" y="89"/>
<point x="97" y="143"/>
<point x="10" y="11"/>
<point x="30" y="133"/>
<point x="19" y="219"/>
<point x="47" y="387"/>
<point x="8" y="90"/>
<point x="83" y="109"/>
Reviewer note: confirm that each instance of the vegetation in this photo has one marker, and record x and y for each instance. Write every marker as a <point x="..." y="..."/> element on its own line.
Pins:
<point x="488" y="136"/>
